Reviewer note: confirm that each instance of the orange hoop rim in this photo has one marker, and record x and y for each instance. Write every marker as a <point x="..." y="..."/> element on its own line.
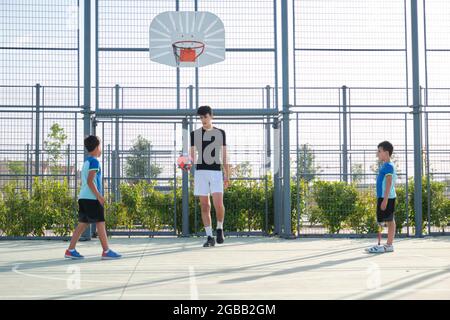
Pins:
<point x="197" y="45"/>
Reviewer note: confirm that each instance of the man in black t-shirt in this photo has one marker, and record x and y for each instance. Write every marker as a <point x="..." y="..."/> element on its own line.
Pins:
<point x="210" y="144"/>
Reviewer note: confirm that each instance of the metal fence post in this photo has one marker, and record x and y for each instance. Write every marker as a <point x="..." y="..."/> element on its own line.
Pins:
<point x="37" y="138"/>
<point x="267" y="162"/>
<point x="276" y="178"/>
<point x="344" y="135"/>
<point x="113" y="174"/>
<point x="426" y="109"/>
<point x="116" y="158"/>
<point x="110" y="168"/>
<point x="417" y="120"/>
<point x="94" y="132"/>
<point x="407" y="177"/>
<point x="175" y="184"/>
<point x="298" y="177"/>
<point x="191" y="128"/>
<point x="266" y="206"/>
<point x="27" y="171"/>
<point x="426" y="163"/>
<point x="187" y="128"/>
<point x="87" y="235"/>
<point x="306" y="176"/>
<point x="427" y="168"/>
<point x="185" y="183"/>
<point x="76" y="157"/>
<point x="364" y="167"/>
<point x="287" y="231"/>
<point x="68" y="165"/>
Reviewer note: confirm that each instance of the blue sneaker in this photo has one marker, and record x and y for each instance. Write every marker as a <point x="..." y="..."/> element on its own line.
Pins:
<point x="73" y="255"/>
<point x="111" y="255"/>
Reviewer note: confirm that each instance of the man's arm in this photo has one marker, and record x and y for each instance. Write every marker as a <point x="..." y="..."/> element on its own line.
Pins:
<point x="192" y="153"/>
<point x="192" y="148"/>
<point x="226" y="166"/>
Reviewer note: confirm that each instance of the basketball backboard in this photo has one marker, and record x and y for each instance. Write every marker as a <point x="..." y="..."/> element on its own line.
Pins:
<point x="187" y="39"/>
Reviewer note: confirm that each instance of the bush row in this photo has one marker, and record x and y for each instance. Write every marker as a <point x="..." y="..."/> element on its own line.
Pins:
<point x="48" y="206"/>
<point x="249" y="207"/>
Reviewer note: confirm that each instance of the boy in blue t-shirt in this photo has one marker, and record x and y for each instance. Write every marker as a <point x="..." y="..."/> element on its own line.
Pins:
<point x="386" y="195"/>
<point x="91" y="202"/>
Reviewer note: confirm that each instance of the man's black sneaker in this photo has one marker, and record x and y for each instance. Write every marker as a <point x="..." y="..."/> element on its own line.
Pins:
<point x="210" y="242"/>
<point x="220" y="237"/>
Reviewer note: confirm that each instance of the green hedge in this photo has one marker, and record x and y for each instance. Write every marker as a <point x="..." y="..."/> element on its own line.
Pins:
<point x="336" y="202"/>
<point x="335" y="205"/>
<point x="339" y="205"/>
<point x="49" y="206"/>
<point x="142" y="206"/>
<point x="439" y="206"/>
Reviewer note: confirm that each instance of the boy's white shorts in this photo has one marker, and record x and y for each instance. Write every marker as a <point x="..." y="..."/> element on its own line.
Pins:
<point x="207" y="182"/>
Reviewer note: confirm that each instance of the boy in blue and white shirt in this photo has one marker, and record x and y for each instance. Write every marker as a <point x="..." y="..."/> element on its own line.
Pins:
<point x="91" y="202"/>
<point x="387" y="176"/>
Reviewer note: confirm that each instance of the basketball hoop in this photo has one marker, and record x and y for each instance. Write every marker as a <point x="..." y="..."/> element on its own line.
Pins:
<point x="187" y="50"/>
<point x="182" y="48"/>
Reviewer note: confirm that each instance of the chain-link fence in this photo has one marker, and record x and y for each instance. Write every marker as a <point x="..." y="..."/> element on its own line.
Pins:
<point x="350" y="63"/>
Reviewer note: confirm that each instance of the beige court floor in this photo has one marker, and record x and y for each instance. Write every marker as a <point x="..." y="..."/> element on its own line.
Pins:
<point x="242" y="268"/>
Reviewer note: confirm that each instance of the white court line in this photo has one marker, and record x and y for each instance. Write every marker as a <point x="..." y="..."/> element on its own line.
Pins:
<point x="193" y="284"/>
<point x="230" y="294"/>
<point x="15" y="269"/>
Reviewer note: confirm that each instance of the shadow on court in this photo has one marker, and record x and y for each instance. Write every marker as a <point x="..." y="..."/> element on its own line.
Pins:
<point x="155" y="266"/>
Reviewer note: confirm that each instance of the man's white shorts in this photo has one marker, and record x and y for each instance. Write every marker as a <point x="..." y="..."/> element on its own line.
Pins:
<point x="207" y="182"/>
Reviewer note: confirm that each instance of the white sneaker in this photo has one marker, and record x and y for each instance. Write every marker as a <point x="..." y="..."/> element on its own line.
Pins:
<point x="375" y="249"/>
<point x="380" y="249"/>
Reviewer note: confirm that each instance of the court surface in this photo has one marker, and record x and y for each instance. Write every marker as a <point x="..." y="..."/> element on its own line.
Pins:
<point x="242" y="268"/>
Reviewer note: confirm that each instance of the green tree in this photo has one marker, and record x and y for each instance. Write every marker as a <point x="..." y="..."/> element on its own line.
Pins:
<point x="16" y="167"/>
<point x="53" y="145"/>
<point x="138" y="163"/>
<point x="306" y="166"/>
<point x="357" y="172"/>
<point x="242" y="170"/>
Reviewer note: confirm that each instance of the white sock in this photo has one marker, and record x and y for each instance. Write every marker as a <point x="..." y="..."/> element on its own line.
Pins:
<point x="71" y="250"/>
<point x="106" y="251"/>
<point x="219" y="224"/>
<point x="208" y="231"/>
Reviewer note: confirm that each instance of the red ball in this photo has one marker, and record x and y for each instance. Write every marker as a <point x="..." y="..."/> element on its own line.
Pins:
<point x="184" y="162"/>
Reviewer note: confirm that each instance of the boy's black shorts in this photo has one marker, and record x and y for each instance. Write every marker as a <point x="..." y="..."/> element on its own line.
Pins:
<point x="388" y="214"/>
<point x="90" y="211"/>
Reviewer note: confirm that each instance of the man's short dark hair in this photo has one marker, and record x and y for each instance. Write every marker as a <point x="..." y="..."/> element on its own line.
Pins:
<point x="387" y="146"/>
<point x="91" y="142"/>
<point x="204" y="110"/>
